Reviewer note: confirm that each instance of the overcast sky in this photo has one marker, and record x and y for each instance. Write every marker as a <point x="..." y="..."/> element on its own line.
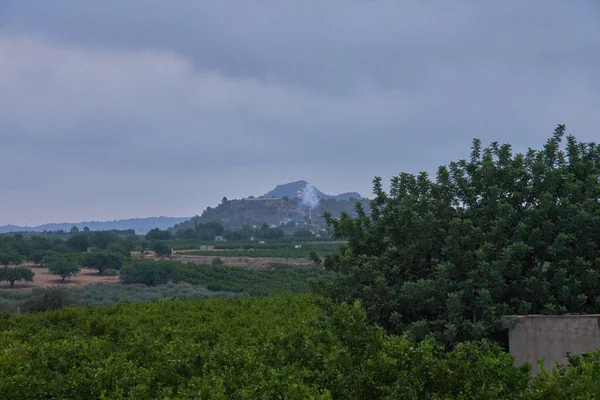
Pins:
<point x="133" y="108"/>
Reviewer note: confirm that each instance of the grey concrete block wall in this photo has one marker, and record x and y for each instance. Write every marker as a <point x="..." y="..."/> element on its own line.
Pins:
<point x="550" y="337"/>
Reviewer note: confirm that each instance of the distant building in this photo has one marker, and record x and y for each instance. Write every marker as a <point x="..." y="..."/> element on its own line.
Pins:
<point x="219" y="239"/>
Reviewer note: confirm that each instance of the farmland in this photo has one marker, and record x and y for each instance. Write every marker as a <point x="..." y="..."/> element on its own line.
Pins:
<point x="408" y="306"/>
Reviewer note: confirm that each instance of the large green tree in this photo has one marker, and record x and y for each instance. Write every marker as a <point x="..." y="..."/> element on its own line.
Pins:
<point x="499" y="233"/>
<point x="14" y="274"/>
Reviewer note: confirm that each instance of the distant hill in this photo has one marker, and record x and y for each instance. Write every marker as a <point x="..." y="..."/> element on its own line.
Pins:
<point x="140" y="225"/>
<point x="295" y="201"/>
<point x="300" y="188"/>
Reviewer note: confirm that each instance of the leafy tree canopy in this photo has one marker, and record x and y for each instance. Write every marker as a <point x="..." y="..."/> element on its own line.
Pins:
<point x="499" y="233"/>
<point x="64" y="267"/>
<point x="14" y="274"/>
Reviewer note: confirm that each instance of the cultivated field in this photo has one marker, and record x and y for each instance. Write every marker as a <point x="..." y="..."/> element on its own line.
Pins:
<point x="43" y="278"/>
<point x="243" y="261"/>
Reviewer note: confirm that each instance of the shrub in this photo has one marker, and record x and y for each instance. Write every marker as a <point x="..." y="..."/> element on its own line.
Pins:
<point x="110" y="272"/>
<point x="52" y="298"/>
<point x="102" y="260"/>
<point x="216" y="261"/>
<point x="161" y="249"/>
<point x="148" y="272"/>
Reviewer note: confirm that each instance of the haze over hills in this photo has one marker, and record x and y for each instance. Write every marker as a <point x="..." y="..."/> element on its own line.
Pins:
<point x="140" y="225"/>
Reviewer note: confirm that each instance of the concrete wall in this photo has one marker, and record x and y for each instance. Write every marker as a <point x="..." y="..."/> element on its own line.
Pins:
<point x="551" y="337"/>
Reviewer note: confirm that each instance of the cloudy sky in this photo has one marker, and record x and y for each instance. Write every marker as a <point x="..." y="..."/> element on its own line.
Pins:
<point x="132" y="108"/>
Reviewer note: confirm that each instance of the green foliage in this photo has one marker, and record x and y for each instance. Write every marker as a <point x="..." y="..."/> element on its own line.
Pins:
<point x="78" y="242"/>
<point x="200" y="231"/>
<point x="157" y="234"/>
<point x="493" y="235"/>
<point x="148" y="272"/>
<point x="110" y="272"/>
<point x="102" y="260"/>
<point x="64" y="267"/>
<point x="44" y="299"/>
<point x="161" y="249"/>
<point x="57" y="297"/>
<point x="9" y="257"/>
<point x="14" y="274"/>
<point x="216" y="261"/>
<point x="278" y="279"/>
<point x="257" y="348"/>
<point x="579" y="380"/>
<point x="270" y="250"/>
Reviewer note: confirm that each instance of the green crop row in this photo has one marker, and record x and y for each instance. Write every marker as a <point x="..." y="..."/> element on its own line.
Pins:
<point x="256" y="348"/>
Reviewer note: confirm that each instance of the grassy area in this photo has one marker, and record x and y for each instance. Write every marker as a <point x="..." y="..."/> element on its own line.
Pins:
<point x="40" y="299"/>
<point x="279" y="280"/>
<point x="274" y="250"/>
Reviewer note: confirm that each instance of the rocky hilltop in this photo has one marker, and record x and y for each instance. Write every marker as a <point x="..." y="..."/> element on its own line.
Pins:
<point x="296" y="201"/>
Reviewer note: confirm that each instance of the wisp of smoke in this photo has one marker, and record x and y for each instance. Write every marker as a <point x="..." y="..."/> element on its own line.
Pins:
<point x="309" y="196"/>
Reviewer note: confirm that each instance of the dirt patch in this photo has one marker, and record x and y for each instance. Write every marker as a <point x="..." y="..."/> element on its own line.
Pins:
<point x="43" y="278"/>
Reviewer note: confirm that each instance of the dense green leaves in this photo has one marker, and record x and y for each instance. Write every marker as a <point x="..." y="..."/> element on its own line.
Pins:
<point x="64" y="267"/>
<point x="14" y="274"/>
<point x="499" y="233"/>
<point x="103" y="260"/>
<point x="148" y="272"/>
<point x="255" y="348"/>
<point x="278" y="279"/>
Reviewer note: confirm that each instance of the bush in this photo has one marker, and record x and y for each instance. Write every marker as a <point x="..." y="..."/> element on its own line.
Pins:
<point x="148" y="272"/>
<point x="161" y="249"/>
<point x="52" y="298"/>
<point x="216" y="261"/>
<point x="110" y="272"/>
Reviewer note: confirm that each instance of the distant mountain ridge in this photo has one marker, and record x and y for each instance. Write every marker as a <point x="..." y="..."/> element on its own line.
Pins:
<point x="296" y="189"/>
<point x="140" y="225"/>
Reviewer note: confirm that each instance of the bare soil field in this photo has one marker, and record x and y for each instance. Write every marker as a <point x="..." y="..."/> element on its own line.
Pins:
<point x="43" y="278"/>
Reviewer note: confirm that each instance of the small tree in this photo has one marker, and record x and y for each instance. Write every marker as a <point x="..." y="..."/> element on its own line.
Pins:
<point x="102" y="260"/>
<point x="64" y="267"/>
<point x="161" y="249"/>
<point x="13" y="275"/>
<point x="10" y="257"/>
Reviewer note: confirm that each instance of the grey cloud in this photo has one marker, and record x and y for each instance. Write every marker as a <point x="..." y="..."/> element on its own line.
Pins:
<point x="218" y="98"/>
